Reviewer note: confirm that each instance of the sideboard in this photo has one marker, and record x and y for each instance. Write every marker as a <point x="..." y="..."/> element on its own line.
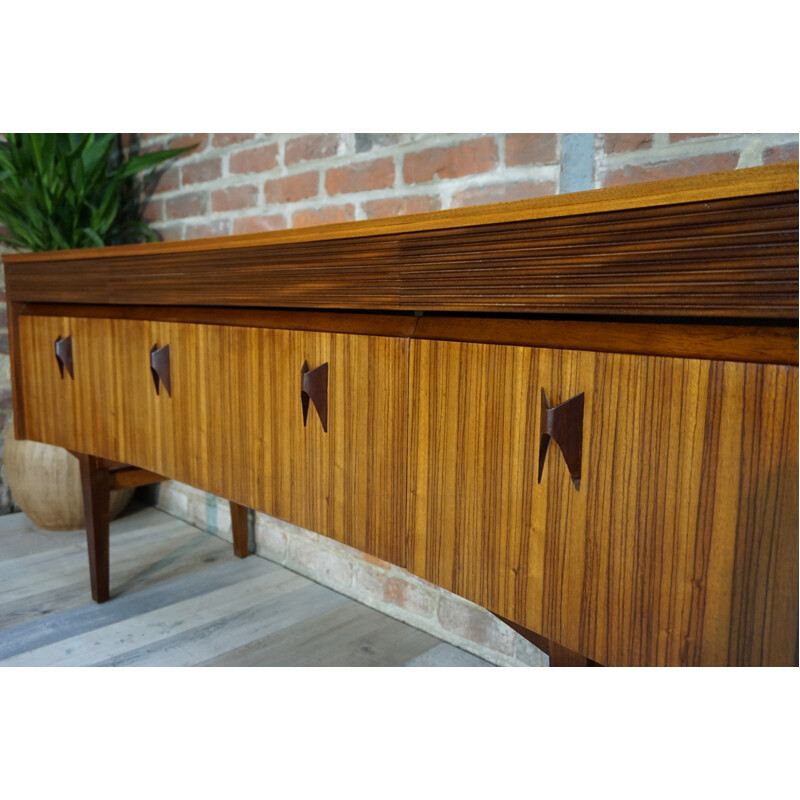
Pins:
<point x="580" y="412"/>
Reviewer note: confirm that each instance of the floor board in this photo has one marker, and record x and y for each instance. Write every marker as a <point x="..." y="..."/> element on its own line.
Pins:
<point x="180" y="598"/>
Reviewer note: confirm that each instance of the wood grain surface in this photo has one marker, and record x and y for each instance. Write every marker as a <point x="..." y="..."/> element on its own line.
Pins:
<point x="680" y="548"/>
<point x="762" y="344"/>
<point x="96" y="497"/>
<point x="386" y="324"/>
<point x="734" y="257"/>
<point x="234" y="423"/>
<point x="696" y="188"/>
<point x="46" y="399"/>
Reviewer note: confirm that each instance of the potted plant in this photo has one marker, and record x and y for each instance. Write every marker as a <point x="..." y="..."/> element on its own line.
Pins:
<point x="65" y="191"/>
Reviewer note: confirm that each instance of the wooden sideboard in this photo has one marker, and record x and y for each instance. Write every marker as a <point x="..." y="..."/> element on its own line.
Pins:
<point x="580" y="412"/>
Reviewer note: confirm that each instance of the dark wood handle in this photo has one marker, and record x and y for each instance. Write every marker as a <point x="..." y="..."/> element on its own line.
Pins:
<point x="314" y="387"/>
<point x="564" y="424"/>
<point x="159" y="366"/>
<point x="64" y="355"/>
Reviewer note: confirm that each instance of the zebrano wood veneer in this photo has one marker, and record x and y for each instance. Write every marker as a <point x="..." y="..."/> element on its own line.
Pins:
<point x="580" y="412"/>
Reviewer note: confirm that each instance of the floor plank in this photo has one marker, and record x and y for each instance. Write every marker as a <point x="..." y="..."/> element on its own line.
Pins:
<point x="352" y="636"/>
<point x="180" y="598"/>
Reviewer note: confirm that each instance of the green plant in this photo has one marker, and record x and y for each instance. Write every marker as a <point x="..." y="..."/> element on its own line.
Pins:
<point x="71" y="190"/>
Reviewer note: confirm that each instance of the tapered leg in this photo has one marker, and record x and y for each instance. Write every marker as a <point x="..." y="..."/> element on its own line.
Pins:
<point x="96" y="495"/>
<point x="239" y="527"/>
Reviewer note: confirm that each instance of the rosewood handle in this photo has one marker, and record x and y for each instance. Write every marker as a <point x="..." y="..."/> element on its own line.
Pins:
<point x="159" y="367"/>
<point x="314" y="387"/>
<point x="564" y="425"/>
<point x="64" y="355"/>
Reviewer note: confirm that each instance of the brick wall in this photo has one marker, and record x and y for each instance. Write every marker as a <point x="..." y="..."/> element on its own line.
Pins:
<point x="241" y="183"/>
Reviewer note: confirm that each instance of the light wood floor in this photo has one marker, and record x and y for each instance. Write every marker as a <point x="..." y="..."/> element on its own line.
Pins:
<point x="180" y="598"/>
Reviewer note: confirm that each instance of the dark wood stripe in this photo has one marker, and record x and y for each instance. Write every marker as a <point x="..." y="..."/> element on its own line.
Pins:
<point x="733" y="257"/>
<point x="762" y="344"/>
<point x="400" y="325"/>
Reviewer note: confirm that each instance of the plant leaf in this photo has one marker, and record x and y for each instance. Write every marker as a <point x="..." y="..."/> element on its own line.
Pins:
<point x="94" y="237"/>
<point x="138" y="163"/>
<point x="66" y="190"/>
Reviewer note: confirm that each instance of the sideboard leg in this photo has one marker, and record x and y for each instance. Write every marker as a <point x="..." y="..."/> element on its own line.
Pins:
<point x="559" y="656"/>
<point x="240" y="530"/>
<point x="96" y="495"/>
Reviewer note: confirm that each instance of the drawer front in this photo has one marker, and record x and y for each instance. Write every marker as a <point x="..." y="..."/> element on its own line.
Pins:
<point x="241" y="431"/>
<point x="76" y="410"/>
<point x="679" y="547"/>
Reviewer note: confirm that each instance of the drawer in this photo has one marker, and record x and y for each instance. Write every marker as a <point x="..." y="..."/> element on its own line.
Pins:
<point x="242" y="433"/>
<point x="680" y="544"/>
<point x="108" y="405"/>
<point x="233" y="423"/>
<point x="72" y="405"/>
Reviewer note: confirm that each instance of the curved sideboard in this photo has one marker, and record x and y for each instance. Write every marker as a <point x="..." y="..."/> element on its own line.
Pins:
<point x="580" y="412"/>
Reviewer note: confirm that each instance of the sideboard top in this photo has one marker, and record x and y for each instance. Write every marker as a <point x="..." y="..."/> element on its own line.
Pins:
<point x="723" y="245"/>
<point x="713" y="186"/>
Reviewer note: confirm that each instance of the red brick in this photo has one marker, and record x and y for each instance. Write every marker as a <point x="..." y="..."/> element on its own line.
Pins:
<point x="780" y="153"/>
<point x="234" y="197"/>
<point x="475" y="624"/>
<point x="329" y="567"/>
<point x="187" y="205"/>
<point x="406" y="595"/>
<point x="323" y="216"/>
<point x="502" y="193"/>
<point x="292" y="188"/>
<point x="310" y="147"/>
<point x="679" y="137"/>
<point x="168" y="181"/>
<point x="225" y="139"/>
<point x="146" y="136"/>
<point x="625" y="142"/>
<point x="153" y="211"/>
<point x="369" y="580"/>
<point x="530" y="148"/>
<point x="698" y="165"/>
<point x="467" y="158"/>
<point x="363" y="177"/>
<point x="397" y="206"/>
<point x="257" y="159"/>
<point x="200" y="140"/>
<point x="217" y="227"/>
<point x="378" y="562"/>
<point x="271" y="222"/>
<point x="202" y="171"/>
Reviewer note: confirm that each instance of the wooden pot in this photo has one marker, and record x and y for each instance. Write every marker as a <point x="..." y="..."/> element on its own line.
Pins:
<point x="45" y="482"/>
